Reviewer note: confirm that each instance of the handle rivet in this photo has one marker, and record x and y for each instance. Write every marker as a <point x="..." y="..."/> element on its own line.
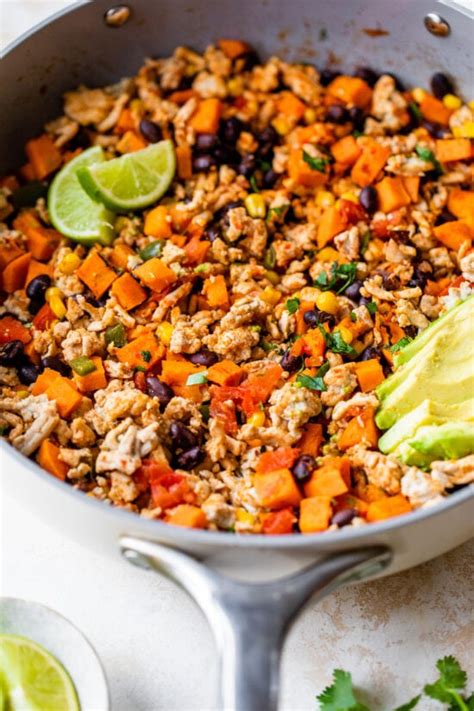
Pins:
<point x="136" y="558"/>
<point x="117" y="16"/>
<point x="435" y="24"/>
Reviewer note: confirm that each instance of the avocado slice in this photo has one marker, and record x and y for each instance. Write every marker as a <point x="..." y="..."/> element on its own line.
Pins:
<point x="428" y="413"/>
<point x="410" y="456"/>
<point x="452" y="440"/>
<point x="442" y="368"/>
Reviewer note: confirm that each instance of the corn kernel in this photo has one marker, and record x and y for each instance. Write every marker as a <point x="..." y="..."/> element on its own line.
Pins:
<point x="257" y="419"/>
<point x="51" y="293"/>
<point x="270" y="295"/>
<point x="464" y="131"/>
<point x="164" y="332"/>
<point x="244" y="516"/>
<point x="70" y="263"/>
<point x="272" y="277"/>
<point x="235" y="86"/>
<point x="418" y="94"/>
<point x="255" y="205"/>
<point x="471" y="105"/>
<point x="452" y="102"/>
<point x="350" y="197"/>
<point x="325" y="199"/>
<point x="328" y="254"/>
<point x="281" y="125"/>
<point x="309" y="116"/>
<point x="251" y="107"/>
<point x="56" y="304"/>
<point x="22" y="394"/>
<point x="136" y="105"/>
<point x="327" y="301"/>
<point x="346" y="334"/>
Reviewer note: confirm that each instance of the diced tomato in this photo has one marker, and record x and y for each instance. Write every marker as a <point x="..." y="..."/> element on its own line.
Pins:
<point x="278" y="522"/>
<point x="168" y="488"/>
<point x="281" y="458"/>
<point x="12" y="330"/>
<point x="223" y="406"/>
<point x="352" y="211"/>
<point x="44" y="318"/>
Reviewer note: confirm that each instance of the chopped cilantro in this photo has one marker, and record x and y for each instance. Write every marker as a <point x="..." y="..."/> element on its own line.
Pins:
<point x="146" y="355"/>
<point x="318" y="164"/>
<point x="428" y="155"/>
<point x="270" y="258"/>
<point x="415" y="109"/>
<point x="197" y="378"/>
<point x="267" y="347"/>
<point x="340" y="277"/>
<point x="353" y="317"/>
<point x="264" y="165"/>
<point x="314" y="382"/>
<point x="253" y="184"/>
<point x="372" y="307"/>
<point x="139" y="369"/>
<point x="340" y="695"/>
<point x="335" y="342"/>
<point x="202" y="267"/>
<point x="365" y="241"/>
<point x="292" y="305"/>
<point x="452" y="680"/>
<point x="3" y="430"/>
<point x="410" y="705"/>
<point x="357" y="133"/>
<point x="400" y="344"/>
<point x="256" y="328"/>
<point x="205" y="411"/>
<point x="278" y="211"/>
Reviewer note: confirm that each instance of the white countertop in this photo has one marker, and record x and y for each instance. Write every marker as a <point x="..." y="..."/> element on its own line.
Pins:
<point x="155" y="645"/>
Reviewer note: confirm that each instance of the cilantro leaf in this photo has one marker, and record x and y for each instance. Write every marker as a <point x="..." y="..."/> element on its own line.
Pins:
<point x="340" y="277"/>
<point x="277" y="211"/>
<point x="451" y="680"/>
<point x="428" y="155"/>
<point x="146" y="355"/>
<point x="340" y="695"/>
<point x="335" y="342"/>
<point x="400" y="344"/>
<point x="318" y="164"/>
<point x="371" y="307"/>
<point x="410" y="705"/>
<point x="312" y="382"/>
<point x="253" y="184"/>
<point x="269" y="260"/>
<point x="292" y="305"/>
<point x="415" y="109"/>
<point x="365" y="241"/>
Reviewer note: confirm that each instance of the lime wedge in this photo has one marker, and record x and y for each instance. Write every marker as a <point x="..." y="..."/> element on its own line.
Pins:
<point x="134" y="180"/>
<point x="72" y="211"/>
<point x="32" y="679"/>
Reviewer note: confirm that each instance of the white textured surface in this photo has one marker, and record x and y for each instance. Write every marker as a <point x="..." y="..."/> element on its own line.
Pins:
<point x="154" y="643"/>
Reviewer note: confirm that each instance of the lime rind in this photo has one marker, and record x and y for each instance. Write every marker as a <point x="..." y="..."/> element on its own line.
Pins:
<point x="32" y="678"/>
<point x="133" y="181"/>
<point x="72" y="211"/>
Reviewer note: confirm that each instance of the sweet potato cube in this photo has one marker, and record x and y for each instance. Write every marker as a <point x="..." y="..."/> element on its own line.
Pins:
<point x="42" y="242"/>
<point x="233" y="48"/>
<point x="14" y="274"/>
<point x="207" y="116"/>
<point x="369" y="374"/>
<point x="65" y="394"/>
<point x="36" y="268"/>
<point x="43" y="156"/>
<point x="331" y="479"/>
<point x="276" y="489"/>
<point x="48" y="458"/>
<point x="158" y="223"/>
<point x="392" y="194"/>
<point x="411" y="183"/>
<point x="226" y="372"/>
<point x="330" y="225"/>
<point x="360" y="430"/>
<point x="96" y="380"/>
<point x="351" y="90"/>
<point x="155" y="274"/>
<point x="312" y="439"/>
<point x="315" y="514"/>
<point x="346" y="150"/>
<point x="215" y="291"/>
<point x="461" y="204"/>
<point x="434" y="110"/>
<point x="44" y="380"/>
<point x="128" y="292"/>
<point x="454" y="234"/>
<point x="452" y="149"/>
<point x="120" y="254"/>
<point x="388" y="507"/>
<point x="175" y="372"/>
<point x="144" y="351"/>
<point x="301" y="172"/>
<point x="290" y="105"/>
<point x="369" y="164"/>
<point x="188" y="516"/>
<point x="95" y="274"/>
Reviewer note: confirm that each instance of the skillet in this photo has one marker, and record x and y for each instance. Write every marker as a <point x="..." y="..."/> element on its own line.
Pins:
<point x="98" y="43"/>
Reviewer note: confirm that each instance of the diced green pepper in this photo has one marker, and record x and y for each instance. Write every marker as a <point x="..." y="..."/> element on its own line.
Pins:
<point x="197" y="378"/>
<point x="151" y="250"/>
<point x="82" y="365"/>
<point x="116" y="335"/>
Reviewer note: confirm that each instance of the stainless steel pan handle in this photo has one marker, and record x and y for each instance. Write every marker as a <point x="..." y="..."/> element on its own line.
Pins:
<point x="250" y="620"/>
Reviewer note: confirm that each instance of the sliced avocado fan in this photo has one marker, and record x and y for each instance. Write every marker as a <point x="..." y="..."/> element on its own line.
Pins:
<point x="427" y="404"/>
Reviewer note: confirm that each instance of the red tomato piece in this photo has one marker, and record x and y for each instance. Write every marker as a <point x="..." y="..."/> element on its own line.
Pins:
<point x="12" y="330"/>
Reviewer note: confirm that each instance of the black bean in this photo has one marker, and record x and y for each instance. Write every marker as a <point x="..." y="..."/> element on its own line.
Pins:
<point x="435" y="129"/>
<point x="353" y="291"/>
<point x="324" y="317"/>
<point x="221" y="213"/>
<point x="444" y="217"/>
<point x="203" y="357"/>
<point x="311" y="318"/>
<point x="206" y="141"/>
<point x="150" y="131"/>
<point x="212" y="232"/>
<point x="11" y="354"/>
<point x="410" y="331"/>
<point x="303" y="467"/>
<point x="367" y="74"/>
<point x="55" y="363"/>
<point x="291" y="363"/>
<point x="342" y="518"/>
<point x="191" y="458"/>
<point x="247" y="165"/>
<point x="270" y="178"/>
<point x="36" y="289"/>
<point x="368" y="198"/>
<point x="369" y="353"/>
<point x="441" y="85"/>
<point x="203" y="162"/>
<point x="327" y="75"/>
<point x="80" y="140"/>
<point x="28" y="373"/>
<point x="155" y="388"/>
<point x="337" y="114"/>
<point x="357" y="117"/>
<point x="248" y="60"/>
<point x="231" y="129"/>
<point x="226" y="155"/>
<point x="268" y="139"/>
<point x="182" y="437"/>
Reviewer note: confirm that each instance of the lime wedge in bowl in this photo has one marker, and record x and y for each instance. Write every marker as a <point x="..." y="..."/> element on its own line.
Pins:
<point x="133" y="181"/>
<point x="32" y="679"/>
<point x="72" y="212"/>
